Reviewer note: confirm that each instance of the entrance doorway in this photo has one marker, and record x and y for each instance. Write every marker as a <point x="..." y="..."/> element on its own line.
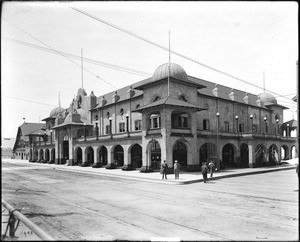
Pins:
<point x="155" y="155"/>
<point x="136" y="156"/>
<point x="180" y="154"/>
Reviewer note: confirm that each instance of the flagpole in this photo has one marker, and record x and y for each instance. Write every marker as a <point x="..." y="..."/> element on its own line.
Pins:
<point x="81" y="70"/>
<point x="169" y="66"/>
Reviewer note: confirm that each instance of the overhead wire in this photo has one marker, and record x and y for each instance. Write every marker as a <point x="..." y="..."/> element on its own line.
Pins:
<point x="165" y="48"/>
<point x="96" y="62"/>
<point x="60" y="53"/>
<point x="29" y="101"/>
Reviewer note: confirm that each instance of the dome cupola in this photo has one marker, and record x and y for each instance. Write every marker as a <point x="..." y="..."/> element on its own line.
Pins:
<point x="56" y="111"/>
<point x="176" y="71"/>
<point x="267" y="98"/>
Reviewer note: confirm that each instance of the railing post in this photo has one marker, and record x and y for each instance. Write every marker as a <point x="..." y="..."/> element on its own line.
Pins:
<point x="12" y="220"/>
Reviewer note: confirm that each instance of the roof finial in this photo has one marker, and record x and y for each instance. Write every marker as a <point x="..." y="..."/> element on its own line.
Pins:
<point x="169" y="71"/>
<point x="59" y="99"/>
<point x="264" y="81"/>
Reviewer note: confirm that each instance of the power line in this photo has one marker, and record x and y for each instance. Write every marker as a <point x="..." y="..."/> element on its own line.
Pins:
<point x="29" y="101"/>
<point x="60" y="53"/>
<point x="96" y="62"/>
<point x="165" y="48"/>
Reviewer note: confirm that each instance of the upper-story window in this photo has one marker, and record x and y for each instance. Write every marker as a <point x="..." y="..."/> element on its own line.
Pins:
<point x="226" y="126"/>
<point x="241" y="128"/>
<point x="121" y="111"/>
<point x="155" y="121"/>
<point x="121" y="127"/>
<point x="138" y="125"/>
<point x="206" y="124"/>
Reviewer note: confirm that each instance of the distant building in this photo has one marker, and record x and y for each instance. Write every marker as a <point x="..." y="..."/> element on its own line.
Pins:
<point x="22" y="143"/>
<point x="7" y="147"/>
<point x="166" y="117"/>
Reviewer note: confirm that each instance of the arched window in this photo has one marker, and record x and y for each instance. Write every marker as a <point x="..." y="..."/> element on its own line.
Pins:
<point x="182" y="98"/>
<point x="156" y="98"/>
<point x="155" y="121"/>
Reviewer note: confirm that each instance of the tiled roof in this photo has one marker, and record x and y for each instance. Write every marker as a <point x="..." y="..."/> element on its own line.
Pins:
<point x="28" y="128"/>
<point x="292" y="123"/>
<point x="171" y="102"/>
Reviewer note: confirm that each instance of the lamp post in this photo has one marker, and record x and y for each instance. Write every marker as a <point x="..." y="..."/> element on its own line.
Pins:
<point x="237" y="123"/>
<point x="127" y="123"/>
<point x="266" y="124"/>
<point x="51" y="135"/>
<point x="110" y="128"/>
<point x="288" y="130"/>
<point x="251" y="121"/>
<point x="45" y="137"/>
<point x="84" y="132"/>
<point x="39" y="139"/>
<point x="97" y="129"/>
<point x="217" y="114"/>
<point x="277" y="121"/>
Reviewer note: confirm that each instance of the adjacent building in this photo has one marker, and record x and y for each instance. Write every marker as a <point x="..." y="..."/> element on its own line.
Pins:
<point x="169" y="116"/>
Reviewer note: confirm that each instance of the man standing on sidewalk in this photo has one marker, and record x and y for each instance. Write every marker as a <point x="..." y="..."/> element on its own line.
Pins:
<point x="204" y="170"/>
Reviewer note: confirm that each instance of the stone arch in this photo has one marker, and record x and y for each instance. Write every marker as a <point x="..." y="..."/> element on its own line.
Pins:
<point x="260" y="155"/>
<point x="153" y="154"/>
<point x="78" y="156"/>
<point x="135" y="155"/>
<point x="284" y="152"/>
<point x="47" y="154"/>
<point x="272" y="155"/>
<point x="244" y="161"/>
<point x="180" y="152"/>
<point x="118" y="155"/>
<point x="206" y="151"/>
<point x="228" y="155"/>
<point x="102" y="154"/>
<point x="35" y="155"/>
<point x="89" y="155"/>
<point x="52" y="155"/>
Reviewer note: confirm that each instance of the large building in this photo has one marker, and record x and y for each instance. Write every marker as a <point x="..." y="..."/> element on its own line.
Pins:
<point x="169" y="116"/>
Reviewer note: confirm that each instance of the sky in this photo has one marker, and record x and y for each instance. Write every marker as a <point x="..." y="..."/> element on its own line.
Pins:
<point x="256" y="42"/>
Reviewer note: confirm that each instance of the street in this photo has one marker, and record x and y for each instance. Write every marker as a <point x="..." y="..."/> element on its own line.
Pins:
<point x="76" y="206"/>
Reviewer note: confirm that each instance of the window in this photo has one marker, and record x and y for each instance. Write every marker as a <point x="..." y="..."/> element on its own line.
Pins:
<point x="254" y="128"/>
<point x="107" y="114"/>
<point x="205" y="124"/>
<point x="107" y="129"/>
<point x="137" y="106"/>
<point x="183" y="121"/>
<point x="156" y="98"/>
<point x="241" y="128"/>
<point x="226" y="126"/>
<point x="122" y="111"/>
<point x="182" y="98"/>
<point x="155" y="121"/>
<point x="138" y="125"/>
<point x="121" y="127"/>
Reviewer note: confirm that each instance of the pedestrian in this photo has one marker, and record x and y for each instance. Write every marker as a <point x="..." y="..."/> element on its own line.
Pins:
<point x="211" y="166"/>
<point x="164" y="167"/>
<point x="176" y="169"/>
<point x="204" y="170"/>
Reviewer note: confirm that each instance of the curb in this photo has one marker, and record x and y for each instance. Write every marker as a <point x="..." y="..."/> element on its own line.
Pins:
<point x="235" y="175"/>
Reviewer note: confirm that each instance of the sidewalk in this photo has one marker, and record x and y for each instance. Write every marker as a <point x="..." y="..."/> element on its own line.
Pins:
<point x="184" y="177"/>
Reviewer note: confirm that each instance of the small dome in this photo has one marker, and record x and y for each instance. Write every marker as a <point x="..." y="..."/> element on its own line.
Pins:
<point x="176" y="71"/>
<point x="56" y="111"/>
<point x="267" y="98"/>
<point x="81" y="91"/>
